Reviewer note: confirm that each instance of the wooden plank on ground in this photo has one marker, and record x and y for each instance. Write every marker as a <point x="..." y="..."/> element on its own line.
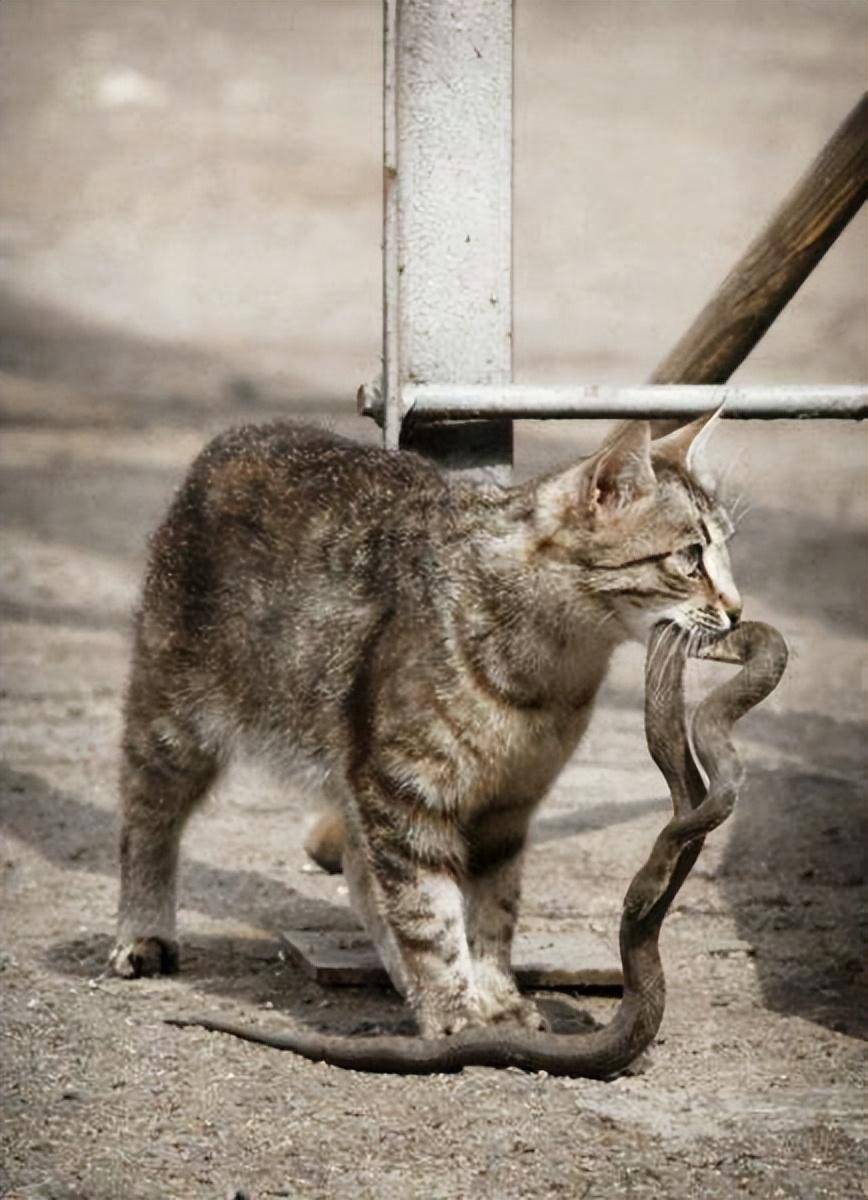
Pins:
<point x="570" y="961"/>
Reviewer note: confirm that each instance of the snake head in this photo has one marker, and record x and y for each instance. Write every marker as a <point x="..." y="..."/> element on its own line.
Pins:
<point x="750" y="642"/>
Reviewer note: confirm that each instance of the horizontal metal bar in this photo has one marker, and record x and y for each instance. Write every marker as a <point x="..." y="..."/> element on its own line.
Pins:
<point x="465" y="402"/>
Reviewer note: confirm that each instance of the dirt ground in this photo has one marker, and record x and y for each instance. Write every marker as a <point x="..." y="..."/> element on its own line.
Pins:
<point x="756" y="1084"/>
<point x="130" y="331"/>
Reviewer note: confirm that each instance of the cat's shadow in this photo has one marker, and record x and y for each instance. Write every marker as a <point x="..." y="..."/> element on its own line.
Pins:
<point x="794" y="874"/>
<point x="255" y="973"/>
<point x="80" y="837"/>
<point x="252" y="971"/>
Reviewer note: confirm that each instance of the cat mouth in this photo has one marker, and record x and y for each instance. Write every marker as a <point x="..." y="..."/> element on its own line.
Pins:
<point x="701" y="635"/>
<point x="704" y="636"/>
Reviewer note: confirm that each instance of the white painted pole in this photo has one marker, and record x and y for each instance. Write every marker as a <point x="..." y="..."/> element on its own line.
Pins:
<point x="448" y="208"/>
<point x="529" y="402"/>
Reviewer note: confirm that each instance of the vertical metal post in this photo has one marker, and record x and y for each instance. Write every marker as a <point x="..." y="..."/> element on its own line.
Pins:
<point x="447" y="245"/>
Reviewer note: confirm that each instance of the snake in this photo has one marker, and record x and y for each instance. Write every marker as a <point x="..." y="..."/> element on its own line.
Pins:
<point x="679" y="751"/>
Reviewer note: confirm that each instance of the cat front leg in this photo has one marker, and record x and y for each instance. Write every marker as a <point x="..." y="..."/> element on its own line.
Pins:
<point x="407" y="896"/>
<point x="492" y="891"/>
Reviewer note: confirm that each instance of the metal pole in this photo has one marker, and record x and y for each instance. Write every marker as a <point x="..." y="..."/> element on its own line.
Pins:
<point x="433" y="403"/>
<point x="447" y="326"/>
<point x="448" y="214"/>
<point x="423" y="404"/>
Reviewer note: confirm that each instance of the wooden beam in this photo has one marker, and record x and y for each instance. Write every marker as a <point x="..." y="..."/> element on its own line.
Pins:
<point x="577" y="960"/>
<point x="776" y="263"/>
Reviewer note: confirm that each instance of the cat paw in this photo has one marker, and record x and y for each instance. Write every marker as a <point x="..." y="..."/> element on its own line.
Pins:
<point x="519" y="1011"/>
<point x="529" y="1017"/>
<point x="326" y="842"/>
<point x="446" y="1022"/>
<point x="434" y="1027"/>
<point x="501" y="1000"/>
<point x="144" y="956"/>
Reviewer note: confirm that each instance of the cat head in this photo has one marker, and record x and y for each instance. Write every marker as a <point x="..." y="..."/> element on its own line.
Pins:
<point x="641" y="519"/>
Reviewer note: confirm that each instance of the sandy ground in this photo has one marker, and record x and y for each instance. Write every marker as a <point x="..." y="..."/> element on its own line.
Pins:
<point x="171" y="265"/>
<point x="756" y="1084"/>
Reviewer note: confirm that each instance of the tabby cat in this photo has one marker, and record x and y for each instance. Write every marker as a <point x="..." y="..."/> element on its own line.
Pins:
<point x="430" y="647"/>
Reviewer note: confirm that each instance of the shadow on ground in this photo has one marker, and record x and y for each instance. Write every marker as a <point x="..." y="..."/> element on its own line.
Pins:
<point x="143" y="379"/>
<point x="794" y="875"/>
<point x="253" y="971"/>
<point x="77" y="836"/>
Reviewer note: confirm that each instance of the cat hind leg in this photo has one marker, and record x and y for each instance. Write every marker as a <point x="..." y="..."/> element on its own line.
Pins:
<point x="164" y="774"/>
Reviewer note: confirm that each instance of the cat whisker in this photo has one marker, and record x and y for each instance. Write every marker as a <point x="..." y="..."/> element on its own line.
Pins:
<point x="664" y="643"/>
<point x="694" y="642"/>
<point x="676" y="645"/>
<point x="738" y="510"/>
<point x="729" y="488"/>
<point x="606" y="617"/>
<point x="679" y="647"/>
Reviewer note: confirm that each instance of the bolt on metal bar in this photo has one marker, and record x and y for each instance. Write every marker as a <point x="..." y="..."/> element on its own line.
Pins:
<point x="424" y="403"/>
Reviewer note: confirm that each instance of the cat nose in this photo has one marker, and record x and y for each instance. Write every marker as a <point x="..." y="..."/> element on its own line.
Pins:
<point x="733" y="611"/>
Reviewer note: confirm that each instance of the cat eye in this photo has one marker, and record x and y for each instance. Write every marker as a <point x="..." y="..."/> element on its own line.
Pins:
<point x="690" y="558"/>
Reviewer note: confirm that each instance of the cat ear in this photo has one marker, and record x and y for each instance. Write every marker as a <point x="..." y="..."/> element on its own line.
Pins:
<point x="684" y="447"/>
<point x="621" y="471"/>
<point x="617" y="475"/>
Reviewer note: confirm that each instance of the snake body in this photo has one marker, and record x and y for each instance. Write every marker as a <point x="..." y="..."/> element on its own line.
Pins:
<point x="762" y="655"/>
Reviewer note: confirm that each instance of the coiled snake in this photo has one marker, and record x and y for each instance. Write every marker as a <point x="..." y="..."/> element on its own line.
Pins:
<point x="762" y="654"/>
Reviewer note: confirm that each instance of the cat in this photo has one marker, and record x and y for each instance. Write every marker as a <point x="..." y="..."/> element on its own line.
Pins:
<point x="429" y="646"/>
